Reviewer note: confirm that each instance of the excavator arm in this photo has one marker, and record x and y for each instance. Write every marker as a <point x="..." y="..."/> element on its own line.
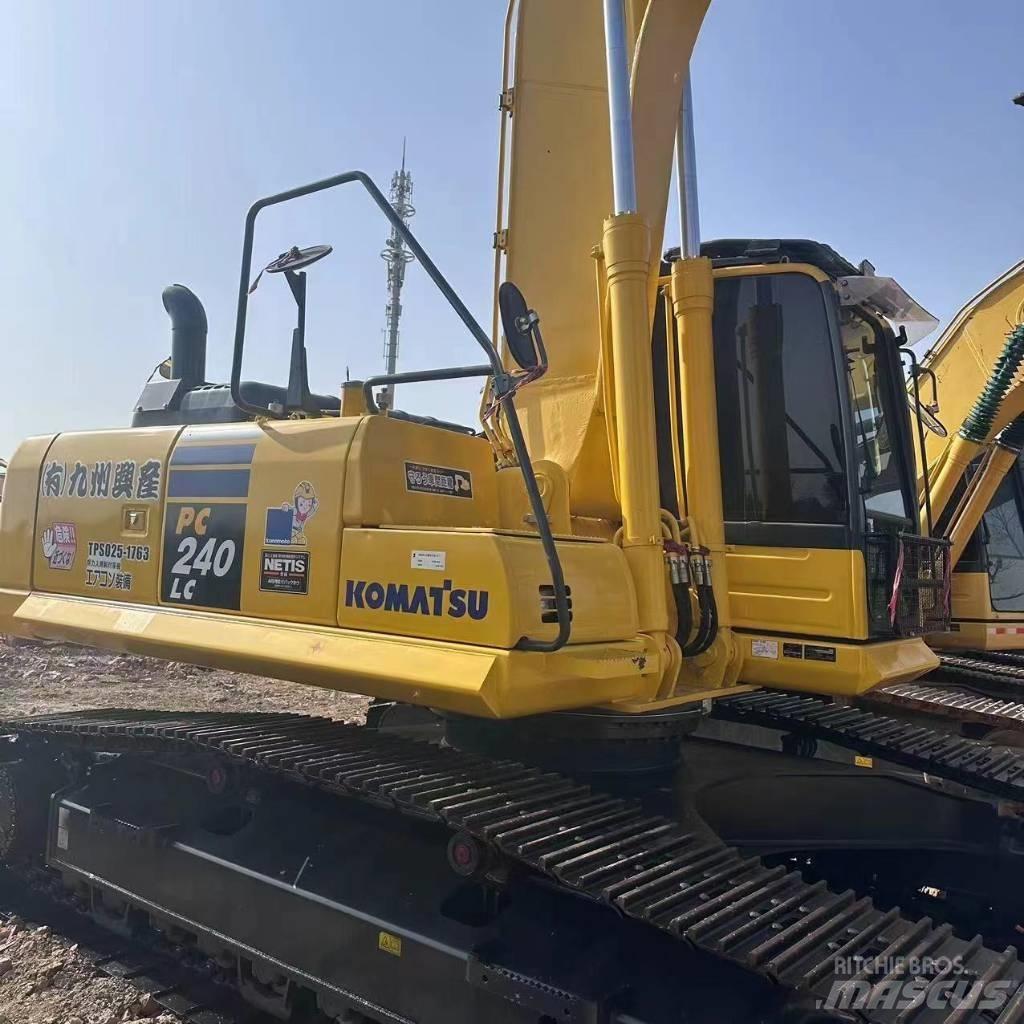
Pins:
<point x="559" y="189"/>
<point x="590" y="423"/>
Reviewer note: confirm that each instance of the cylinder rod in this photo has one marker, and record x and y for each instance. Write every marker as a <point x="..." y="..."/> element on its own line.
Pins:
<point x="619" y="107"/>
<point x="686" y="172"/>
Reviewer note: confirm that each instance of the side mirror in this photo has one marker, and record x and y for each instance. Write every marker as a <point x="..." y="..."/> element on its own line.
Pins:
<point x="522" y="329"/>
<point x="292" y="264"/>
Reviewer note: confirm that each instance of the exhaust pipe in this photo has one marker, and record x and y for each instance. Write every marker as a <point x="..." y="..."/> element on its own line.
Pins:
<point x="188" y="336"/>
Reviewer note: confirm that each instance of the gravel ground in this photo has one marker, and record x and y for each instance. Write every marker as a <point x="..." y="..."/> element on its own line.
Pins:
<point x="43" y="979"/>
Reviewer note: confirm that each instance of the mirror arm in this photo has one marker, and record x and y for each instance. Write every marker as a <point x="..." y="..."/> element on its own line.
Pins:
<point x="915" y="375"/>
<point x="542" y="352"/>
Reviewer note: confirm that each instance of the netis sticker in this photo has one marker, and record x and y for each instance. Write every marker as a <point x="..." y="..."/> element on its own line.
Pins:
<point x="429" y="560"/>
<point x="451" y="483"/>
<point x="284" y="572"/>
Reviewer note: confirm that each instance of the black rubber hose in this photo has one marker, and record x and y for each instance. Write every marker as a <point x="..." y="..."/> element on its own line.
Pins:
<point x="713" y="628"/>
<point x="707" y="601"/>
<point x="708" y="628"/>
<point x="699" y="643"/>
<point x="684" y="613"/>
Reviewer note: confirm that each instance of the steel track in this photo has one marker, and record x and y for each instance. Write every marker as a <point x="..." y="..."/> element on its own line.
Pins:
<point x="1013" y="659"/>
<point x="955" y="705"/>
<point x="695" y="888"/>
<point x="180" y="988"/>
<point x="996" y="672"/>
<point x="996" y="771"/>
<point x="980" y="687"/>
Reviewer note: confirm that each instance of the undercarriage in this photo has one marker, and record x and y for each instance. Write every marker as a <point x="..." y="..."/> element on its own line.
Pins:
<point x="357" y="874"/>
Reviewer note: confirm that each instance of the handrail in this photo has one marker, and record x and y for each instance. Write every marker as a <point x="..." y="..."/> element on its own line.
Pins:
<point x="416" y="377"/>
<point x="503" y="382"/>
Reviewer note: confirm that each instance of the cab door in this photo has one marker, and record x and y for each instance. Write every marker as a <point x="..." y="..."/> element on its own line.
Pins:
<point x="794" y="554"/>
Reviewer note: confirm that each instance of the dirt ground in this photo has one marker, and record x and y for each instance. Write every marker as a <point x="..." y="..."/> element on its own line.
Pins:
<point x="38" y="678"/>
<point x="43" y="980"/>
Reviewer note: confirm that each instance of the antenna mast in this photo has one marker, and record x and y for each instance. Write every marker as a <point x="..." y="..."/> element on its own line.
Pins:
<point x="396" y="256"/>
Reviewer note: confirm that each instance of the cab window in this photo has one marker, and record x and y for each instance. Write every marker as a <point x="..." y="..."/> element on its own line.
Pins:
<point x="880" y="477"/>
<point x="779" y="411"/>
<point x="1004" y="545"/>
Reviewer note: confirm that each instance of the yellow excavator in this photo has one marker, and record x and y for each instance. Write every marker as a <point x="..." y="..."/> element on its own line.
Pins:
<point x="976" y="370"/>
<point x="639" y="606"/>
<point x="970" y="487"/>
<point x="979" y="497"/>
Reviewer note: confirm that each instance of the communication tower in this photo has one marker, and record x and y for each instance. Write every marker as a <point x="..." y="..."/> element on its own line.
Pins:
<point x="396" y="256"/>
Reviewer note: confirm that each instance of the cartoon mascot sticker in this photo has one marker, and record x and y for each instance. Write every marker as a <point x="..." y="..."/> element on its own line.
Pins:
<point x="304" y="506"/>
<point x="287" y="524"/>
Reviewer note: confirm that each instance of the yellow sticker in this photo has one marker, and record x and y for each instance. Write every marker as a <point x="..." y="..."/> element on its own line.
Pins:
<point x="389" y="943"/>
<point x="863" y="762"/>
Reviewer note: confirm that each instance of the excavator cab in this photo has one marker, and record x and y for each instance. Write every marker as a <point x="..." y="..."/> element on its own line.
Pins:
<point x="825" y="556"/>
<point x="996" y="554"/>
<point x="988" y="577"/>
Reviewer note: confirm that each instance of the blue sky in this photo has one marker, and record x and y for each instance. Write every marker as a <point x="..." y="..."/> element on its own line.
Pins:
<point x="135" y="134"/>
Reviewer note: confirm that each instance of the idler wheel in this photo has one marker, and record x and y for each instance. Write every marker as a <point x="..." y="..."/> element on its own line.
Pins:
<point x="25" y="790"/>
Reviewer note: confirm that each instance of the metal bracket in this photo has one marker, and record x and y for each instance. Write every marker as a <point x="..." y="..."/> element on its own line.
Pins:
<point x="535" y="995"/>
<point x="500" y="240"/>
<point x="506" y="101"/>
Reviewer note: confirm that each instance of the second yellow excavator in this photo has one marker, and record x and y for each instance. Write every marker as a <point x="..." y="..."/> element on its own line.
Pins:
<point x="975" y="371"/>
<point x="970" y="483"/>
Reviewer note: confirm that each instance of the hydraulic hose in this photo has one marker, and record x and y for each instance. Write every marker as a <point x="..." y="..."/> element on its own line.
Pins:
<point x="707" y="628"/>
<point x="684" y="614"/>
